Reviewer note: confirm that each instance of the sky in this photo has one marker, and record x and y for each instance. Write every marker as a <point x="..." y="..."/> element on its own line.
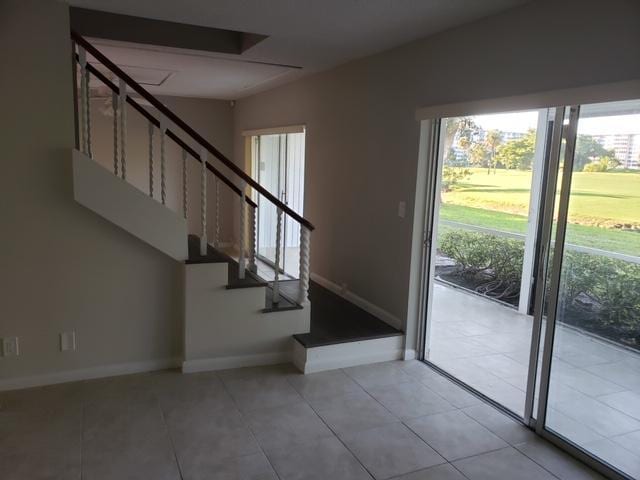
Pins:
<point x="523" y="121"/>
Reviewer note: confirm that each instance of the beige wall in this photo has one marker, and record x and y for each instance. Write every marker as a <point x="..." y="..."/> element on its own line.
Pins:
<point x="362" y="136"/>
<point x="61" y="266"/>
<point x="211" y="118"/>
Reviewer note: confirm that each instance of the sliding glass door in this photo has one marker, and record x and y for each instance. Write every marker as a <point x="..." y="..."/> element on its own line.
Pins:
<point x="533" y="291"/>
<point x="278" y="165"/>
<point x="485" y="231"/>
<point x="591" y="379"/>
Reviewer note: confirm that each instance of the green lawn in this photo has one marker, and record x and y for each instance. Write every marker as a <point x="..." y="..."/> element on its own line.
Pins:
<point x="602" y="199"/>
<point x="599" y="200"/>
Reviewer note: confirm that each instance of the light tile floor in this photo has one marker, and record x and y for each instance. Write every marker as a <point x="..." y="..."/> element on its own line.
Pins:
<point x="594" y="395"/>
<point x="397" y="420"/>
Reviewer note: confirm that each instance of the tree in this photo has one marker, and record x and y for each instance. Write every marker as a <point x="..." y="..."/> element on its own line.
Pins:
<point x="519" y="152"/>
<point x="492" y="141"/>
<point x="604" y="164"/>
<point x="461" y="131"/>
<point x="478" y="154"/>
<point x="588" y="149"/>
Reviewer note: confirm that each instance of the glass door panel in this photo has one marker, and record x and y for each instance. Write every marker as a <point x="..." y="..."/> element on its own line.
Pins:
<point x="484" y="245"/>
<point x="279" y="167"/>
<point x="294" y="198"/>
<point x="593" y="302"/>
<point x="269" y="176"/>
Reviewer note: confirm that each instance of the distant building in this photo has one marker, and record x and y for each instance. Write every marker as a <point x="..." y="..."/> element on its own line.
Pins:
<point x="626" y="148"/>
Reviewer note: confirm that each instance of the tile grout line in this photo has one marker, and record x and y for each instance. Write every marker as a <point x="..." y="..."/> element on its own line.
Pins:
<point x="173" y="446"/>
<point x="82" y="426"/>
<point x="224" y="386"/>
<point x="400" y="421"/>
<point x="336" y="435"/>
<point x="509" y="445"/>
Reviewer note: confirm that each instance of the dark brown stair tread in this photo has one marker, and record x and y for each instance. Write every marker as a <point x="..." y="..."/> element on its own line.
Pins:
<point x="250" y="280"/>
<point x="335" y="320"/>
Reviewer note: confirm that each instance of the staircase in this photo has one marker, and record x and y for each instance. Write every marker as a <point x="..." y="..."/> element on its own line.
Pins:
<point x="232" y="316"/>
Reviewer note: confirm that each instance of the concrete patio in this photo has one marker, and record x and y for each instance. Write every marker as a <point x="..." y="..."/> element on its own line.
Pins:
<point x="594" y="397"/>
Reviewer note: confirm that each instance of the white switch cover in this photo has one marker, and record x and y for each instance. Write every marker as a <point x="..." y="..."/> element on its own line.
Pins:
<point x="402" y="209"/>
<point x="67" y="341"/>
<point x="10" y="347"/>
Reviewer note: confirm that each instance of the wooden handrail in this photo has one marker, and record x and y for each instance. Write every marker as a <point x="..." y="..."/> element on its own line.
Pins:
<point x="142" y="111"/>
<point x="140" y="90"/>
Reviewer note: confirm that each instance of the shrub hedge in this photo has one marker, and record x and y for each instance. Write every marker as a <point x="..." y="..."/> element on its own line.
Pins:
<point x="599" y="293"/>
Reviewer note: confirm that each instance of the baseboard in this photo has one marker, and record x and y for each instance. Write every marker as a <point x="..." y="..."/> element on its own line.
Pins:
<point x="87" y="373"/>
<point x="366" y="305"/>
<point x="348" y="354"/>
<point x="410" y="354"/>
<point x="221" y="363"/>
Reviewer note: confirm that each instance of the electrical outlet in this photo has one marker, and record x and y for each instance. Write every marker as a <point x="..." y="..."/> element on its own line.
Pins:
<point x="67" y="341"/>
<point x="10" y="347"/>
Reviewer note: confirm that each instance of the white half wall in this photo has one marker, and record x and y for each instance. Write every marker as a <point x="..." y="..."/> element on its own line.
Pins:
<point x="226" y="328"/>
<point x="213" y="119"/>
<point x="124" y="205"/>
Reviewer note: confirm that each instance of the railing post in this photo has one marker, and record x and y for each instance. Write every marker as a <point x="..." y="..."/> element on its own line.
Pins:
<point x="252" y="240"/>
<point x="305" y="246"/>
<point x="203" y="201"/>
<point x="84" y="100"/>
<point x="184" y="184"/>
<point x="163" y="129"/>
<point x="276" y="275"/>
<point x="243" y="227"/>
<point x="151" y="159"/>
<point x="122" y="86"/>
<point x="216" y="238"/>
<point x="114" y="106"/>
<point x="88" y="108"/>
<point x="76" y="106"/>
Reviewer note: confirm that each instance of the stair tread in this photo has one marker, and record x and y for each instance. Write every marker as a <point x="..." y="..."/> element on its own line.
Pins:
<point x="251" y="280"/>
<point x="284" y="304"/>
<point x="335" y="320"/>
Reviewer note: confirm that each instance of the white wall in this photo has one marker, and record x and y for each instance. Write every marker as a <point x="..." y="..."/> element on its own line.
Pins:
<point x="213" y="119"/>
<point x="362" y="136"/>
<point x="63" y="267"/>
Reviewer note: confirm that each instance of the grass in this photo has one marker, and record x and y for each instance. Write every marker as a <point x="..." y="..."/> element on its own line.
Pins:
<point x="599" y="200"/>
<point x="586" y="236"/>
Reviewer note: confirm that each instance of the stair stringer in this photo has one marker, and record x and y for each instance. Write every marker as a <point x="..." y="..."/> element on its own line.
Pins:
<point x="124" y="205"/>
<point x="226" y="328"/>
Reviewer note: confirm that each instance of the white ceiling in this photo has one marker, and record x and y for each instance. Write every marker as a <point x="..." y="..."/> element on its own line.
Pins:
<point x="312" y="34"/>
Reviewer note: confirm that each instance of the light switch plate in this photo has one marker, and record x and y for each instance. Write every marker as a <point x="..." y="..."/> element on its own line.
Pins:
<point x="67" y="341"/>
<point x="402" y="209"/>
<point x="10" y="347"/>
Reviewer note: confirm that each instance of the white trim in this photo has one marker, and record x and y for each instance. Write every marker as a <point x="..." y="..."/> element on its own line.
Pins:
<point x="366" y="305"/>
<point x="571" y="96"/>
<point x="88" y="373"/>
<point x="348" y="354"/>
<point x="535" y="198"/>
<point x="409" y="354"/>
<point x="221" y="363"/>
<point x="415" y="328"/>
<point x="274" y="130"/>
